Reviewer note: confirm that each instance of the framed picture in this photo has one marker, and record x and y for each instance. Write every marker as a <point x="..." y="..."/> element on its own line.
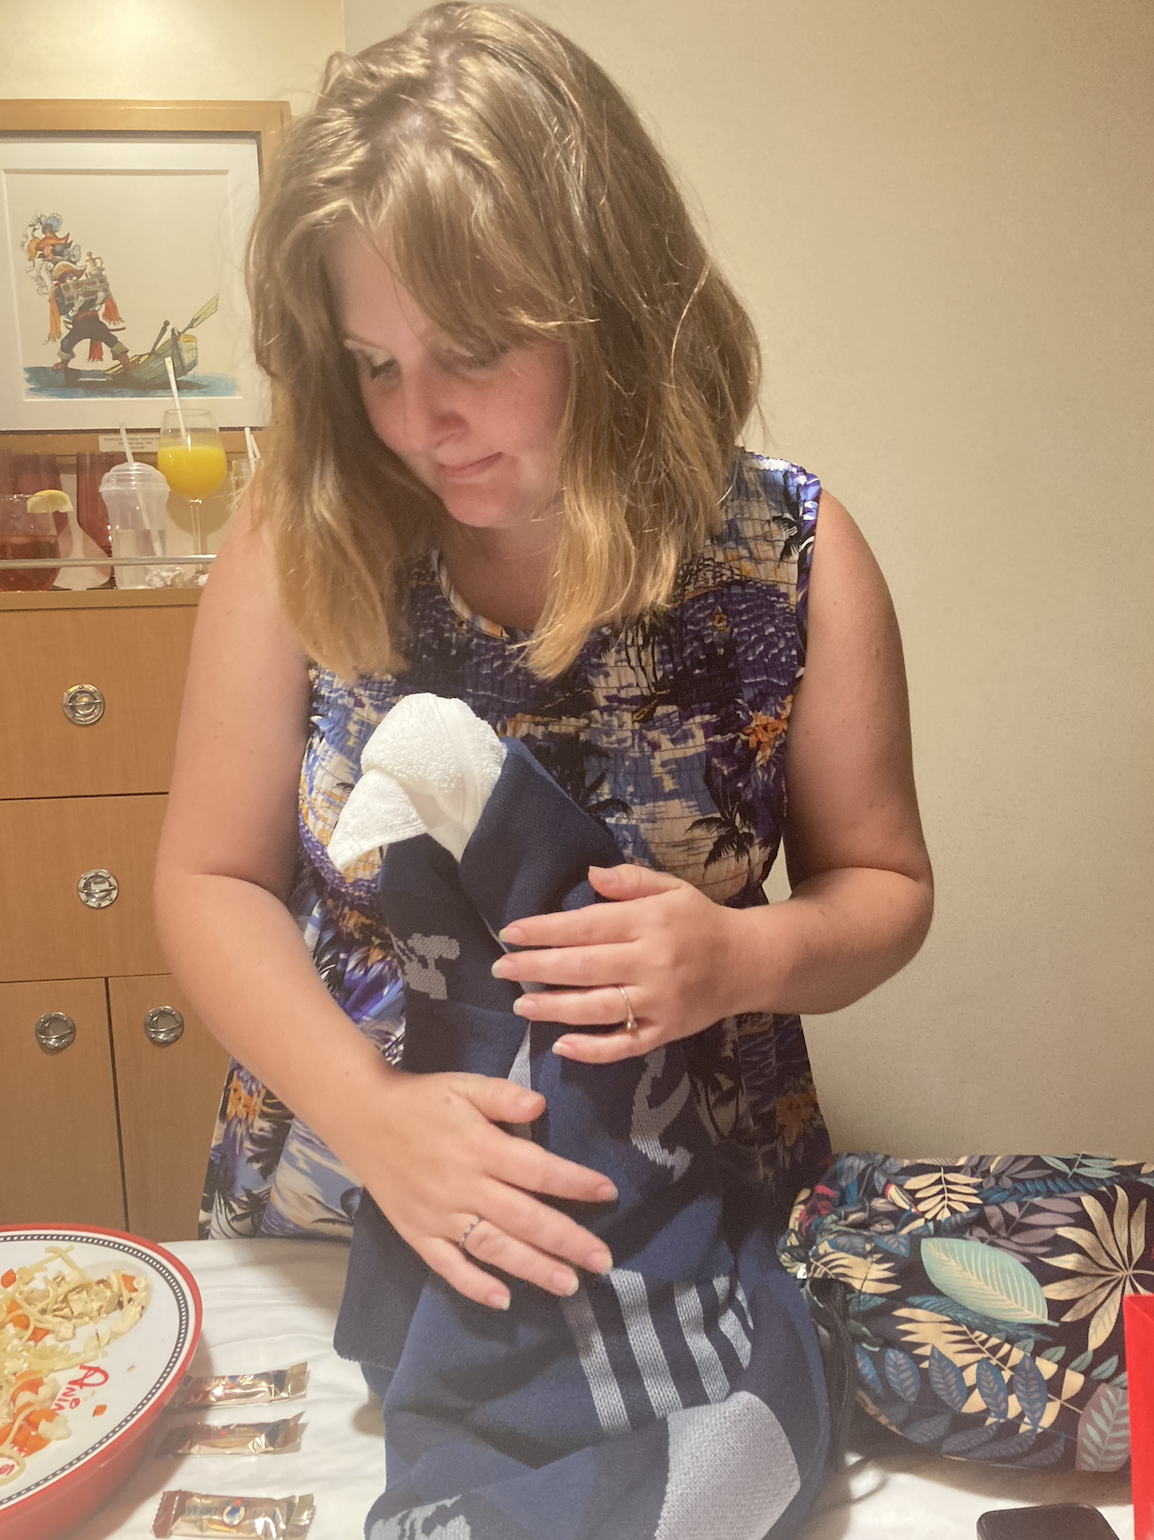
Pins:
<point x="122" y="233"/>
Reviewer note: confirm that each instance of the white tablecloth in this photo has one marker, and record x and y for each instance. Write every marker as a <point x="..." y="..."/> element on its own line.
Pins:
<point x="270" y="1303"/>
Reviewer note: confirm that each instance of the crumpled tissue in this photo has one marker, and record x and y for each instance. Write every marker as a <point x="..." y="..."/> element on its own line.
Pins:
<point x="429" y="768"/>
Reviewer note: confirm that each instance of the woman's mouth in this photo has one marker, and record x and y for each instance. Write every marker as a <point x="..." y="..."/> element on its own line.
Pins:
<point x="469" y="469"/>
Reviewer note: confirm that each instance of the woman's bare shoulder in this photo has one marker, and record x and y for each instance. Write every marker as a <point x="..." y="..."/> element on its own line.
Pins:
<point x="848" y="760"/>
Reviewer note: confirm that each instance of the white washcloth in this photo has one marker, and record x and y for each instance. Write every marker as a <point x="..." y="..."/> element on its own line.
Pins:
<point x="427" y="769"/>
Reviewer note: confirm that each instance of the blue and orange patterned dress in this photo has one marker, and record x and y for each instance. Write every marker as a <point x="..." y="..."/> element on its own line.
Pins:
<point x="671" y="730"/>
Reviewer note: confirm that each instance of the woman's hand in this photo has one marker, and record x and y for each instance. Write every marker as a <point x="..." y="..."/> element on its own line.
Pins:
<point x="675" y="953"/>
<point x="444" y="1164"/>
<point x="861" y="888"/>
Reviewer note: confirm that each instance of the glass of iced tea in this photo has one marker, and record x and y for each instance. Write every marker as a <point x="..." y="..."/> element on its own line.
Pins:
<point x="26" y="536"/>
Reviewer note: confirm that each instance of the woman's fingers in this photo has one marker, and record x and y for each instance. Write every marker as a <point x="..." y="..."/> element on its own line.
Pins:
<point x="501" y="1101"/>
<point x="519" y="1162"/>
<point x="608" y="1047"/>
<point x="602" y="1007"/>
<point x="594" y="925"/>
<point x="491" y="1246"/>
<point x="452" y="1175"/>
<point x="625" y="882"/>
<point x="494" y="1247"/>
<point x="521" y="1217"/>
<point x="579" y="966"/>
<point x="596" y="922"/>
<point x="451" y="1263"/>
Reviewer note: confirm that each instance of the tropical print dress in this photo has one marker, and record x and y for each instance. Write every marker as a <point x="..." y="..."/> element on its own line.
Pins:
<point x="671" y="730"/>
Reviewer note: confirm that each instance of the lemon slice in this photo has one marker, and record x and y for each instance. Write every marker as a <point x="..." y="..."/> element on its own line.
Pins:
<point x="50" y="502"/>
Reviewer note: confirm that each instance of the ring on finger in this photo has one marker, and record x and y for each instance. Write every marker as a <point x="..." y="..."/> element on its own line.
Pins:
<point x="630" y="1022"/>
<point x="469" y="1228"/>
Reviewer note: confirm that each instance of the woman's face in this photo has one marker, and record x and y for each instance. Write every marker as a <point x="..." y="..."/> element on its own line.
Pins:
<point x="482" y="433"/>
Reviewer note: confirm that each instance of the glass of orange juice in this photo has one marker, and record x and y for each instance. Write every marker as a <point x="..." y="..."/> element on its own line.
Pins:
<point x="191" y="459"/>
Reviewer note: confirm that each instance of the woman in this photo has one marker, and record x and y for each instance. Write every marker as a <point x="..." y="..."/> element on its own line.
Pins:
<point x="508" y="389"/>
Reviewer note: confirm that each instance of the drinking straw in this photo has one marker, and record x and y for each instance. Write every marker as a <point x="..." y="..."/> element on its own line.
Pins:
<point x="124" y="441"/>
<point x="175" y="393"/>
<point x="253" y="451"/>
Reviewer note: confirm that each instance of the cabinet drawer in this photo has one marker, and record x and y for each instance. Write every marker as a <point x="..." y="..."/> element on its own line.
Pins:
<point x="135" y="658"/>
<point x="45" y="847"/>
<point x="169" y="1096"/>
<point x="58" y="1147"/>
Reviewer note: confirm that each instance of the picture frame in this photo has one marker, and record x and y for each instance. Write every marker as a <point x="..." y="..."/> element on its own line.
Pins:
<point x="116" y="217"/>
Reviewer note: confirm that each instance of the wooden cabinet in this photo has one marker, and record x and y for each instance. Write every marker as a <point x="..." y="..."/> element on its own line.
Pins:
<point x="135" y="657"/>
<point x="58" y="1137"/>
<point x="49" y="845"/>
<point x="110" y="1083"/>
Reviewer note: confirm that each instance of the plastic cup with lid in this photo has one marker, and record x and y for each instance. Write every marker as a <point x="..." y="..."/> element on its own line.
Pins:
<point x="136" y="496"/>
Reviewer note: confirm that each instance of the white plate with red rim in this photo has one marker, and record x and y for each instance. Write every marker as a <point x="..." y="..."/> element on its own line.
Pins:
<point x="111" y="1400"/>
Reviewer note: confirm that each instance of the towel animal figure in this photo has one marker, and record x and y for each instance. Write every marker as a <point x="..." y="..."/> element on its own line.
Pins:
<point x="680" y="1397"/>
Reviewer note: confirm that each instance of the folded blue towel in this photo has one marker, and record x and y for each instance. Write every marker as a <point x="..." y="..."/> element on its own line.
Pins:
<point x="678" y="1398"/>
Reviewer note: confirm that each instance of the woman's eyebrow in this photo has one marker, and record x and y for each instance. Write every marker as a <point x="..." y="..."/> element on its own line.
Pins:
<point x="372" y="347"/>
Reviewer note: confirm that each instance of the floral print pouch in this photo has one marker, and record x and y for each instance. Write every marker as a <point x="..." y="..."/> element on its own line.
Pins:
<point x="978" y="1303"/>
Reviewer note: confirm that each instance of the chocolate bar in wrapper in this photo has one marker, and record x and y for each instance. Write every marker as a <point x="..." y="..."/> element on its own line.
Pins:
<point x="232" y="1438"/>
<point x="249" y="1518"/>
<point x="236" y="1389"/>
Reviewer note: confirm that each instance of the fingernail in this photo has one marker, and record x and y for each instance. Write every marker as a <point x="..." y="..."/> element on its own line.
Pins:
<point x="565" y="1284"/>
<point x="499" y="1301"/>
<point x="599" y="1262"/>
<point x="601" y="870"/>
<point x="607" y="1193"/>
<point x="502" y="969"/>
<point x="562" y="1047"/>
<point x="511" y="934"/>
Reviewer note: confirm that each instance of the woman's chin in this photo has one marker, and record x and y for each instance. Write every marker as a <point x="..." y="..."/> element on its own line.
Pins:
<point x="477" y="509"/>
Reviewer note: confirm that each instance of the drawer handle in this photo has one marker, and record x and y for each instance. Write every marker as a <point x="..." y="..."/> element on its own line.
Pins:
<point x="97" y="888"/>
<point x="55" y="1032"/>
<point x="163" y="1025"/>
<point x="83" y="704"/>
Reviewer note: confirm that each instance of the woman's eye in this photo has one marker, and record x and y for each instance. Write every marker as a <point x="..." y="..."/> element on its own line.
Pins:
<point x="478" y="362"/>
<point x="376" y="371"/>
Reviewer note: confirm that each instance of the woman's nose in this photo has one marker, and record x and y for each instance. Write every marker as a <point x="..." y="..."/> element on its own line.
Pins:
<point x="431" y="412"/>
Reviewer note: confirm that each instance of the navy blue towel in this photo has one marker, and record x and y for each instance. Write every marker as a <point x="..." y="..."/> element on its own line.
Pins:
<point x="678" y="1398"/>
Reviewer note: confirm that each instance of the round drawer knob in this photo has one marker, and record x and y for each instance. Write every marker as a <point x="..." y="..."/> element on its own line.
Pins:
<point x="83" y="704"/>
<point x="55" y="1032"/>
<point x="97" y="888"/>
<point x="163" y="1025"/>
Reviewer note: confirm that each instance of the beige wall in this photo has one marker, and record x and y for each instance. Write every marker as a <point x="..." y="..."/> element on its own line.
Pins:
<point x="941" y="217"/>
<point x="188" y="50"/>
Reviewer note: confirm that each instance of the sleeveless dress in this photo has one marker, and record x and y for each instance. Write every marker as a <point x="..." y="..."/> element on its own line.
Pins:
<point x="670" y="730"/>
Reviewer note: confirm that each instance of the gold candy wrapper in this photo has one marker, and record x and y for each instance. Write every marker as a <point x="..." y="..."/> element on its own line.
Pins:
<point x="251" y="1518"/>
<point x="235" y="1389"/>
<point x="232" y="1438"/>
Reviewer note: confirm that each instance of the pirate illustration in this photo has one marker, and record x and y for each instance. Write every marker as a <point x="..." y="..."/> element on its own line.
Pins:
<point x="81" y="298"/>
<point x="44" y="247"/>
<point x="82" y="308"/>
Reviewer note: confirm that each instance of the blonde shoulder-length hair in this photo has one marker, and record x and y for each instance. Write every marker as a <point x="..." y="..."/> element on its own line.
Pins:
<point x="521" y="200"/>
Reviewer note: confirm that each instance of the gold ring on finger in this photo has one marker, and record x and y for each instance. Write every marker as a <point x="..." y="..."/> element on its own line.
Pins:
<point x="630" y="1023"/>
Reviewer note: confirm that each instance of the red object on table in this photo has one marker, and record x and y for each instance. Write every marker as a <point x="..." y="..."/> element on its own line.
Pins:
<point x="53" y="1507"/>
<point x="91" y="514"/>
<point x="1138" y="1311"/>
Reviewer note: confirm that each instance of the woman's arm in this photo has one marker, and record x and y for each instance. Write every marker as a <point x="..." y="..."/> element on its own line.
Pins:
<point x="425" y="1146"/>
<point x="862" y="888"/>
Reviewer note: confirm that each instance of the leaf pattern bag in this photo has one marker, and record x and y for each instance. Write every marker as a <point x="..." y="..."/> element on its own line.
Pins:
<point x="975" y="1307"/>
